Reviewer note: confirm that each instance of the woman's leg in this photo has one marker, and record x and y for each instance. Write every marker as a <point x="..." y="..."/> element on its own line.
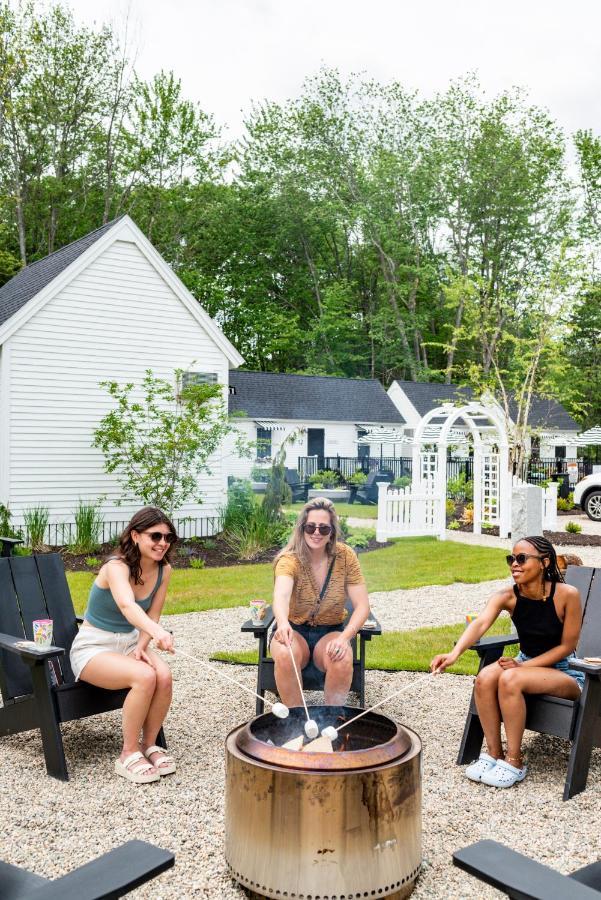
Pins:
<point x="339" y="672"/>
<point x="487" y="704"/>
<point x="516" y="682"/>
<point x="160" y="703"/>
<point x="115" y="671"/>
<point x="285" y="678"/>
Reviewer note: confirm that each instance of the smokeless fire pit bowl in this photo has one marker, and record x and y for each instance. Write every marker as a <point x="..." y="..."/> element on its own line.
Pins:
<point x="324" y="826"/>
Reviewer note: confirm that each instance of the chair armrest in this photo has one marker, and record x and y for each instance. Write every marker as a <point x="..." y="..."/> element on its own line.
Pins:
<point x="367" y="632"/>
<point x="111" y="875"/>
<point x="495" y="641"/>
<point x="592" y="669"/>
<point x="261" y="627"/>
<point x="517" y="875"/>
<point x="29" y="653"/>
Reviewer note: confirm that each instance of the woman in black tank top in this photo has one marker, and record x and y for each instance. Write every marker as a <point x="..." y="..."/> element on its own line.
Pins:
<point x="547" y="617"/>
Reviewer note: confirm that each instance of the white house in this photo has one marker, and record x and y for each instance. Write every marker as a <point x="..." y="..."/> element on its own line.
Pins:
<point x="106" y="307"/>
<point x="329" y="415"/>
<point x="554" y="430"/>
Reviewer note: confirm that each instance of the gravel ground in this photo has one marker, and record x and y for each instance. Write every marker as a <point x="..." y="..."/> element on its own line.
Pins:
<point x="50" y="826"/>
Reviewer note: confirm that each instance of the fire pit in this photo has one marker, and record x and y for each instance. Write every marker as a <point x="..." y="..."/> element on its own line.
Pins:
<point x="324" y="826"/>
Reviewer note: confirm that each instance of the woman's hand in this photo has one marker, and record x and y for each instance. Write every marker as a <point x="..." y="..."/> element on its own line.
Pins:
<point x="508" y="662"/>
<point x="337" y="648"/>
<point x="284" y="633"/>
<point x="442" y="662"/>
<point x="163" y="640"/>
<point x="141" y="655"/>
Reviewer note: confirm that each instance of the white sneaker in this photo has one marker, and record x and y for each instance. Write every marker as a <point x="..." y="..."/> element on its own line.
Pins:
<point x="483" y="764"/>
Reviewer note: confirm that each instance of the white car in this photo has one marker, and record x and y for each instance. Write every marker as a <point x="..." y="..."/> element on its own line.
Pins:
<point x="587" y="495"/>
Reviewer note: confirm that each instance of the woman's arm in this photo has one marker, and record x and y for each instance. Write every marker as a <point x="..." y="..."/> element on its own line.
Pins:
<point x="495" y="606"/>
<point x="154" y="613"/>
<point x="118" y="580"/>
<point x="282" y="592"/>
<point x="572" y="622"/>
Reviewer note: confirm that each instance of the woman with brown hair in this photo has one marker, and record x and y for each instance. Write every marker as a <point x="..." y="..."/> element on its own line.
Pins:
<point x="314" y="574"/>
<point x="111" y="648"/>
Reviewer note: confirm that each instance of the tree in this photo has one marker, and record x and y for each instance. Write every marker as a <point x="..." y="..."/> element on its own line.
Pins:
<point x="160" y="438"/>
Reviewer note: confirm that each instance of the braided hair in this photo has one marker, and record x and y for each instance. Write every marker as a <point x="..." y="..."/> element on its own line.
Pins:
<point x="547" y="551"/>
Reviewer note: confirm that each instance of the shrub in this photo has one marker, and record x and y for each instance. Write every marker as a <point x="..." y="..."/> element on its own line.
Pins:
<point x="93" y="562"/>
<point x="468" y="515"/>
<point x="486" y="526"/>
<point x="255" y="533"/>
<point x="450" y="508"/>
<point x="573" y="528"/>
<point x="359" y="538"/>
<point x="5" y="527"/>
<point x="88" y="522"/>
<point x="259" y="473"/>
<point x="197" y="563"/>
<point x="318" y="485"/>
<point x="454" y="525"/>
<point x="358" y="478"/>
<point x="240" y="504"/>
<point x="459" y="488"/>
<point x="325" y="478"/>
<point x="344" y="528"/>
<point x="36" y="522"/>
<point x="565" y="505"/>
<point x="402" y="482"/>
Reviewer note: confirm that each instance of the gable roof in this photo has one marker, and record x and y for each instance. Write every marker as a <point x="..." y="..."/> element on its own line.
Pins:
<point x="277" y="395"/>
<point x="544" y="413"/>
<point x="36" y="284"/>
<point x="30" y="280"/>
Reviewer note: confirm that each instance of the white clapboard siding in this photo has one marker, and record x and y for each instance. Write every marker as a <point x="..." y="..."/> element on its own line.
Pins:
<point x="113" y="321"/>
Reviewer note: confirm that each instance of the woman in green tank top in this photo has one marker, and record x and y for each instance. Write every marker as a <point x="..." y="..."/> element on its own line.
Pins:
<point x="111" y="649"/>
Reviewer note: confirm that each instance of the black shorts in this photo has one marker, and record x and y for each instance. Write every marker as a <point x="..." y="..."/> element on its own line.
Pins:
<point x="311" y="633"/>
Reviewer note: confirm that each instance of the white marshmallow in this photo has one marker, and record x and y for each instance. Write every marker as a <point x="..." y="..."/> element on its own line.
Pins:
<point x="311" y="729"/>
<point x="280" y="710"/>
<point x="329" y="732"/>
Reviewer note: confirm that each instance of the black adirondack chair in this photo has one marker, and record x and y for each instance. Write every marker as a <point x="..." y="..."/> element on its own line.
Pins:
<point x="113" y="874"/>
<point x="37" y="684"/>
<point x="299" y="489"/>
<point x="578" y="721"/>
<point x="368" y="493"/>
<point x="522" y="878"/>
<point x="313" y="679"/>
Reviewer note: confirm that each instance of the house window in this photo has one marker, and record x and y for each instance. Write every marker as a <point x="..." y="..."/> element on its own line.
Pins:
<point x="190" y="378"/>
<point x="263" y="442"/>
<point x="362" y="449"/>
<point x="560" y="452"/>
<point x="535" y="447"/>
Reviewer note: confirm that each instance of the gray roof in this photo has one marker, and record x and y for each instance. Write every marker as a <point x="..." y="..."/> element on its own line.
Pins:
<point x="34" y="277"/>
<point x="276" y="395"/>
<point x="544" y="413"/>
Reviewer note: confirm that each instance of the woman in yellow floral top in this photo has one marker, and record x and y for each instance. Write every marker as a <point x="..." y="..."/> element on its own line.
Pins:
<point x="314" y="575"/>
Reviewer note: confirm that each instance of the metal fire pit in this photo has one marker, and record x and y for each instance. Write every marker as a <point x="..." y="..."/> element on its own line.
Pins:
<point x="324" y="826"/>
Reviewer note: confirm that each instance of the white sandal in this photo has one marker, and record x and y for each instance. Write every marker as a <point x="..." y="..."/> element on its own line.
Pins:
<point x="483" y="764"/>
<point x="504" y="775"/>
<point x="140" y="771"/>
<point x="167" y="769"/>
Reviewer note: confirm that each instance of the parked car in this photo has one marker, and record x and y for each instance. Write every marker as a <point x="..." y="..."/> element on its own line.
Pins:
<point x="587" y="495"/>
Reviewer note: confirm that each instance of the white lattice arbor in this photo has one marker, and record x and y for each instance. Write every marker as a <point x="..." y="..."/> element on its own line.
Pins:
<point x="492" y="479"/>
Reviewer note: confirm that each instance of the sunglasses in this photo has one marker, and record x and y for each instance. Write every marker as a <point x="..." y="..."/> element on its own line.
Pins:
<point x="520" y="558"/>
<point x="311" y="528"/>
<point x="158" y="536"/>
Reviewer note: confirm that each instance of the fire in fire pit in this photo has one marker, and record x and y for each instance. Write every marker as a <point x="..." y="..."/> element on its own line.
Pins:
<point x="327" y="825"/>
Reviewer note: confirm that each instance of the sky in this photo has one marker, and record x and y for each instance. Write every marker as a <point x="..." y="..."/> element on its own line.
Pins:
<point x="229" y="53"/>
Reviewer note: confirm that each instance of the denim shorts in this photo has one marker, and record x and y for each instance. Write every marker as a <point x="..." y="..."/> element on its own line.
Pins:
<point x="311" y="633"/>
<point x="563" y="666"/>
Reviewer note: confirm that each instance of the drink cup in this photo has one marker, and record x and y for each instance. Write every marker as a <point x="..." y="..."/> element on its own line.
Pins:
<point x="257" y="610"/>
<point x="470" y="618"/>
<point x="42" y="632"/>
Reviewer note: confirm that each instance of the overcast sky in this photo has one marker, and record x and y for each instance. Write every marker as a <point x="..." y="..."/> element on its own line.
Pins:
<point x="231" y="52"/>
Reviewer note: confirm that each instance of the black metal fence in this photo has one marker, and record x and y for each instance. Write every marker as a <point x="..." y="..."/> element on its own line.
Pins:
<point x="63" y="534"/>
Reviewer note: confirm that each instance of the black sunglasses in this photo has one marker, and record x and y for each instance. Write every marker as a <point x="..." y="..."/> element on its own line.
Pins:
<point x="311" y="528"/>
<point x="520" y="558"/>
<point x="156" y="536"/>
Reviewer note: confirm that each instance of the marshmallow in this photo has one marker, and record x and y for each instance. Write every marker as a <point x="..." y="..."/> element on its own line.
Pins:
<point x="311" y="729"/>
<point x="329" y="732"/>
<point x="279" y="710"/>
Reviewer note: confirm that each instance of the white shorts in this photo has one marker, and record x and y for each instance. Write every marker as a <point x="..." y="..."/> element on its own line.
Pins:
<point x="91" y="640"/>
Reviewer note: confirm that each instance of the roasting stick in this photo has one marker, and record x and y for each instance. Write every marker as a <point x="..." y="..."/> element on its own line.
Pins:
<point x="311" y="727"/>
<point x="278" y="709"/>
<point x="331" y="732"/>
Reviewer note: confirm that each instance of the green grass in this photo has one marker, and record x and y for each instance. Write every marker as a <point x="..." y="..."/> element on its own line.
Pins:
<point x="356" y="510"/>
<point x="407" y="563"/>
<point x="405" y="651"/>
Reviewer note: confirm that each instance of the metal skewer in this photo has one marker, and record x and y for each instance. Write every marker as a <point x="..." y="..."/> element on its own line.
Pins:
<point x="311" y="726"/>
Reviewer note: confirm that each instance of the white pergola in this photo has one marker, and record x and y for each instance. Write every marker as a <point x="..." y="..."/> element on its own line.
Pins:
<point x="492" y="478"/>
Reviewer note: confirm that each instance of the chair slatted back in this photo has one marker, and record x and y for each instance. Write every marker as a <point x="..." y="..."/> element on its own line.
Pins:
<point x="15" y="678"/>
<point x="34" y="587"/>
<point x="590" y="635"/>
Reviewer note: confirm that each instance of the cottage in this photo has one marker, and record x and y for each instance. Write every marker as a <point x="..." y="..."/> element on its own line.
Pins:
<point x="106" y="307"/>
<point x="331" y="417"/>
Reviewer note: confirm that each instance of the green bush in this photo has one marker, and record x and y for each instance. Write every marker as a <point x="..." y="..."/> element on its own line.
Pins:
<point x="450" y="508"/>
<point x="487" y="526"/>
<point x="573" y="528"/>
<point x="358" y="478"/>
<point x="248" y="538"/>
<point x="402" y="482"/>
<point x="208" y="543"/>
<point x="460" y="488"/>
<point x="325" y="478"/>
<point x="88" y="522"/>
<point x="93" y="562"/>
<point x="36" y="522"/>
<point x="197" y="563"/>
<point x="344" y="528"/>
<point x="565" y="505"/>
<point x="259" y="473"/>
<point x="359" y="538"/>
<point x="454" y="525"/>
<point x="5" y="527"/>
<point x="240" y="504"/>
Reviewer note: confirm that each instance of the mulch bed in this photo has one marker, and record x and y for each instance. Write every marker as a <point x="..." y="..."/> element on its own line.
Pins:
<point x="573" y="540"/>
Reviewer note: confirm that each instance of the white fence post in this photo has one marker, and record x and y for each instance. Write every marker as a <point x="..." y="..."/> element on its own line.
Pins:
<point x="550" y="507"/>
<point x="381" y="525"/>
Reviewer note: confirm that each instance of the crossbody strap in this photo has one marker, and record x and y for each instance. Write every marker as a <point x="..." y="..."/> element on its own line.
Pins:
<point x="322" y="592"/>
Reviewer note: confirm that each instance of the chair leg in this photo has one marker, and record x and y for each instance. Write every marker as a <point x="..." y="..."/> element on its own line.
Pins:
<point x="585" y="732"/>
<point x="161" y="742"/>
<point x="473" y="736"/>
<point x="52" y="740"/>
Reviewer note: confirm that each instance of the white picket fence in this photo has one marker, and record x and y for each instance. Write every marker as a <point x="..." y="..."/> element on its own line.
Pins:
<point x="402" y="513"/>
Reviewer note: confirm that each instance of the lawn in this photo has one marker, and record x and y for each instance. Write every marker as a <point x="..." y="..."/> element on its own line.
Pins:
<point x="407" y="563"/>
<point x="356" y="510"/>
<point x="406" y="651"/>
